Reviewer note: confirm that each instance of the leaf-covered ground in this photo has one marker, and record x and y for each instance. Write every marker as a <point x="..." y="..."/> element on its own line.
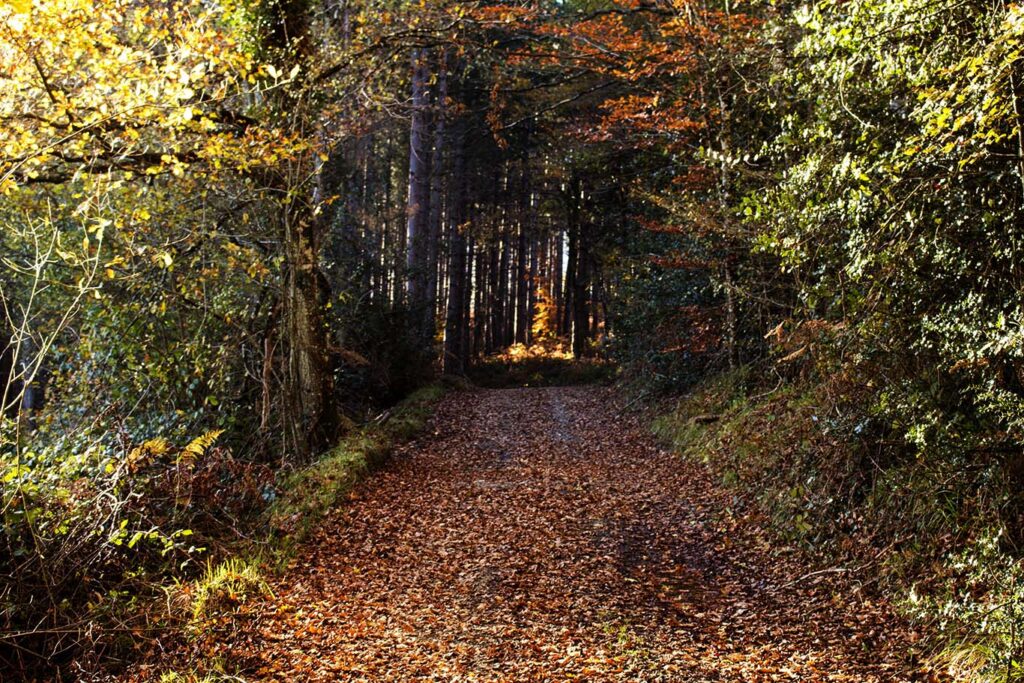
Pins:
<point x="538" y="535"/>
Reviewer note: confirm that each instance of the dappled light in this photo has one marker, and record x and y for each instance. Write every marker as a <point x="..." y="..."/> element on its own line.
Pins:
<point x="604" y="340"/>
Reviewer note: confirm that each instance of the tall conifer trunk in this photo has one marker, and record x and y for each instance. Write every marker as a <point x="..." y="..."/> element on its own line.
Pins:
<point x="433" y="236"/>
<point x="523" y="264"/>
<point x="455" y="323"/>
<point x="418" y="205"/>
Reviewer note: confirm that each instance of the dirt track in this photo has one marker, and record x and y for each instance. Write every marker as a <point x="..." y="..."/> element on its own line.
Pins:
<point x="535" y="535"/>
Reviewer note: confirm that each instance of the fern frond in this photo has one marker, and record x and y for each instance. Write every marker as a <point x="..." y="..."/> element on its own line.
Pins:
<point x="199" y="445"/>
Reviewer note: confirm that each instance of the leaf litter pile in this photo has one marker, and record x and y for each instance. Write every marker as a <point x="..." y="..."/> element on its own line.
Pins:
<point x="537" y="535"/>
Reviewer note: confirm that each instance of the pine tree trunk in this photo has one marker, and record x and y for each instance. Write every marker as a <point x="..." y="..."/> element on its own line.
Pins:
<point x="480" y="313"/>
<point x="433" y="237"/>
<point x="494" y="322"/>
<point x="455" y="324"/>
<point x="581" y="277"/>
<point x="418" y="225"/>
<point x="572" y="259"/>
<point x="522" y="331"/>
<point x="557" y="287"/>
<point x="505" y="306"/>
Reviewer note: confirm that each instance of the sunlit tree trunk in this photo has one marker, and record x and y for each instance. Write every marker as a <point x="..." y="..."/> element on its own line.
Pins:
<point x="572" y="257"/>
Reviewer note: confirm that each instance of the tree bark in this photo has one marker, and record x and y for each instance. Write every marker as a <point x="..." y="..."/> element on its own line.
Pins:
<point x="581" y="276"/>
<point x="418" y="205"/>
<point x="558" y="289"/>
<point x="433" y="237"/>
<point x="312" y="419"/>
<point x="311" y="414"/>
<point x="455" y="324"/>
<point x="505" y="306"/>
<point x="480" y="314"/>
<point x="522" y="332"/>
<point x="495" y="323"/>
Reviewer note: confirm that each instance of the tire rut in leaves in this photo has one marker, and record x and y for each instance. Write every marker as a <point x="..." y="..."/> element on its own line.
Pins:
<point x="535" y="535"/>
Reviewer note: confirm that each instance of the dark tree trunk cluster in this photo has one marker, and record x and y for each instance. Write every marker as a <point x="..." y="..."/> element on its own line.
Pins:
<point x="478" y="247"/>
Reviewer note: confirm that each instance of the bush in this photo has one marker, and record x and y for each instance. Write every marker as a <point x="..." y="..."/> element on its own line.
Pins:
<point x="931" y="522"/>
<point x="540" y="365"/>
<point x="87" y="536"/>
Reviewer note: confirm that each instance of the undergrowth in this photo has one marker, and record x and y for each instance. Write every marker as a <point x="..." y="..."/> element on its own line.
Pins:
<point x="548" y="365"/>
<point x="929" y="525"/>
<point x="224" y="585"/>
<point x="300" y="503"/>
<point x="185" y="536"/>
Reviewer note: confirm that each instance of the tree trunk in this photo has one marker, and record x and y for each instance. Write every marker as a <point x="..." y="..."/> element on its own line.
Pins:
<point x="580" y="279"/>
<point x="311" y="415"/>
<point x="433" y="237"/>
<point x="417" y="227"/>
<point x="533" y="279"/>
<point x="495" y="323"/>
<point x="455" y="324"/>
<point x="480" y="313"/>
<point x="730" y="315"/>
<point x="505" y="307"/>
<point x="557" y="287"/>
<point x="522" y="332"/>
<point x="312" y="419"/>
<point x="572" y="212"/>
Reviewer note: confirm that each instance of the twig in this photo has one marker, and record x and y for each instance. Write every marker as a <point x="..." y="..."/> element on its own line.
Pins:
<point x="830" y="570"/>
<point x="621" y="410"/>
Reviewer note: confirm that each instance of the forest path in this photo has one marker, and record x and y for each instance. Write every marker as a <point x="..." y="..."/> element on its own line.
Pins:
<point x="537" y="535"/>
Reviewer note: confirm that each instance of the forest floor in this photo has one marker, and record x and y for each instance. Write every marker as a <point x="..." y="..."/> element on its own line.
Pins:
<point x="537" y="534"/>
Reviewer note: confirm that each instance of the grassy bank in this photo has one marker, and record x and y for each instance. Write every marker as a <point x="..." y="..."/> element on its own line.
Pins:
<point x="309" y="494"/>
<point x="926" y="527"/>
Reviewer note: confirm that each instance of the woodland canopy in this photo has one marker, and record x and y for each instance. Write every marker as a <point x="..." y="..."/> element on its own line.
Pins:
<point x="235" y="232"/>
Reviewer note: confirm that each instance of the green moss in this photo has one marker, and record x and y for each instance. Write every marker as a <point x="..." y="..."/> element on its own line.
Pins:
<point x="308" y="495"/>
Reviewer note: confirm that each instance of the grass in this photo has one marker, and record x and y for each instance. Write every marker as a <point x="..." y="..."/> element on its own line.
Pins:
<point x="225" y="585"/>
<point x="177" y="677"/>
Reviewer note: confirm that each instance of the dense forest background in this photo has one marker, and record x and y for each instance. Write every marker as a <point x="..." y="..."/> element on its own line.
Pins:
<point x="235" y="232"/>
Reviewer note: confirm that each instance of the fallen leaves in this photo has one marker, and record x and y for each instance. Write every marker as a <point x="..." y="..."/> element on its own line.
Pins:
<point x="537" y="536"/>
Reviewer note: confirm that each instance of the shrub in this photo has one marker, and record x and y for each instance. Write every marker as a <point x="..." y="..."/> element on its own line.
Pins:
<point x="932" y="522"/>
